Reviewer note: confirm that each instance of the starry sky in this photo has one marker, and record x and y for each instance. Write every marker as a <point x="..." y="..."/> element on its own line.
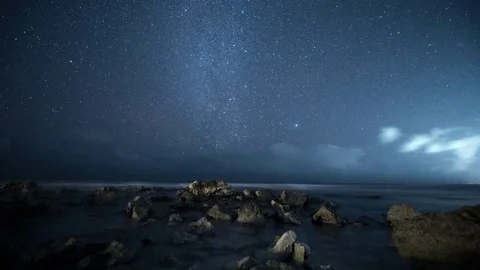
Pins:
<point x="219" y="77"/>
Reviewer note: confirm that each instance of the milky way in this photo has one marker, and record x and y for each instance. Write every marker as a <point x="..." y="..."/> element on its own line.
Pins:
<point x="216" y="76"/>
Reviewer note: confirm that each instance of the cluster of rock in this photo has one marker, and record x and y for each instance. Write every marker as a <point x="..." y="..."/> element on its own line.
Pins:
<point x="424" y="239"/>
<point x="449" y="240"/>
<point x="286" y="253"/>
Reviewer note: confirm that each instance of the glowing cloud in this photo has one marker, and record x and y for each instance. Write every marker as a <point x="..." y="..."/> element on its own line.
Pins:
<point x="389" y="134"/>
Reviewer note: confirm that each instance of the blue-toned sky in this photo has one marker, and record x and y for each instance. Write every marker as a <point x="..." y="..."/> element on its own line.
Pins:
<point x="277" y="85"/>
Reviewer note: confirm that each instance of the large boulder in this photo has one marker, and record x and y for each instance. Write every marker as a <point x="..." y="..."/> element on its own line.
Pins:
<point x="444" y="238"/>
<point x="140" y="208"/>
<point x="285" y="243"/>
<point x="400" y="212"/>
<point x="293" y="198"/>
<point x="250" y="213"/>
<point x="210" y="188"/>
<point x="285" y="214"/>
<point x="325" y="215"/>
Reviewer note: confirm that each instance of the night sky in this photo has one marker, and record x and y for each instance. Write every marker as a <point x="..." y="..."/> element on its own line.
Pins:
<point x="191" y="78"/>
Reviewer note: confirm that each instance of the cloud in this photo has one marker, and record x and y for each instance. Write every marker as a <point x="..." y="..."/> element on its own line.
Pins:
<point x="389" y="134"/>
<point x="458" y="148"/>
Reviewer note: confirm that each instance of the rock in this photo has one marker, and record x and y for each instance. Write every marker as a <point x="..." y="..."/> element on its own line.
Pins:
<point x="215" y="213"/>
<point x="201" y="227"/>
<point x="209" y="188"/>
<point x="21" y="198"/>
<point x="247" y="194"/>
<point x="250" y="213"/>
<point x="293" y="198"/>
<point x="274" y="265"/>
<point x="323" y="267"/>
<point x="246" y="263"/>
<point x="106" y="195"/>
<point x="443" y="238"/>
<point x="327" y="216"/>
<point x="174" y="219"/>
<point x="82" y="255"/>
<point x="242" y="264"/>
<point x="140" y="208"/>
<point x="284" y="245"/>
<point x="301" y="251"/>
<point x="179" y="238"/>
<point x="264" y="195"/>
<point x="399" y="212"/>
<point x="284" y="214"/>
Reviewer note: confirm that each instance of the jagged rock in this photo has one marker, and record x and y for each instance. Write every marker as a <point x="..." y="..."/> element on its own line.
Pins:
<point x="285" y="243"/>
<point x="264" y="195"/>
<point x="284" y="213"/>
<point x="209" y="188"/>
<point x="301" y="251"/>
<point x="451" y="238"/>
<point x="216" y="213"/>
<point x="174" y="219"/>
<point x="293" y="198"/>
<point x="201" y="227"/>
<point x="179" y="238"/>
<point x="399" y="212"/>
<point x="250" y="213"/>
<point x="327" y="216"/>
<point x="140" y="208"/>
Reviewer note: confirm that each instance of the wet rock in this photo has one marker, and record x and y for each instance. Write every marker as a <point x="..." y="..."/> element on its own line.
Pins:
<point x="179" y="238"/>
<point x="140" y="208"/>
<point x="170" y="260"/>
<point x="301" y="251"/>
<point x="399" y="212"/>
<point x="293" y="198"/>
<point x="201" y="227"/>
<point x="284" y="213"/>
<point x="174" y="219"/>
<point x="264" y="195"/>
<point x="216" y="213"/>
<point x="250" y="213"/>
<point x="209" y="188"/>
<point x="327" y="216"/>
<point x="285" y="243"/>
<point x="446" y="238"/>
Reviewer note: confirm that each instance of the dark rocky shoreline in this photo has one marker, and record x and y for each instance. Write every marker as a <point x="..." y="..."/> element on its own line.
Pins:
<point x="196" y="215"/>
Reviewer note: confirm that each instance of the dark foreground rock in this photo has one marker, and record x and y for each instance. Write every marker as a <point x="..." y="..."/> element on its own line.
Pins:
<point x="451" y="239"/>
<point x="19" y="199"/>
<point x="324" y="215"/>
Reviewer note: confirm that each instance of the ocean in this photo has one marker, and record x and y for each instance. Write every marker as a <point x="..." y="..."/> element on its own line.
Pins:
<point x="345" y="248"/>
